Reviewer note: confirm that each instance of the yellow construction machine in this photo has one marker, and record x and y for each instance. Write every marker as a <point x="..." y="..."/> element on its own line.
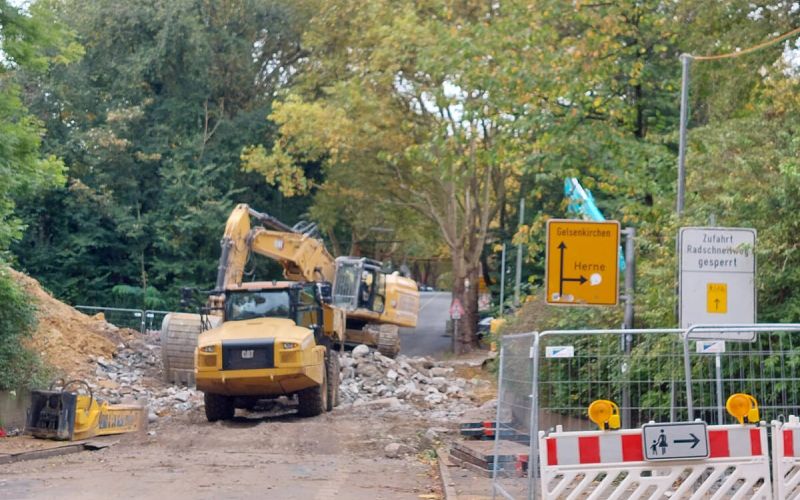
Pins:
<point x="67" y="415"/>
<point x="377" y="303"/>
<point x="267" y="339"/>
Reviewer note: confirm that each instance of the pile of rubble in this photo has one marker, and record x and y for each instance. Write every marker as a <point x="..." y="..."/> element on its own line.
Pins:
<point x="133" y="375"/>
<point x="418" y="384"/>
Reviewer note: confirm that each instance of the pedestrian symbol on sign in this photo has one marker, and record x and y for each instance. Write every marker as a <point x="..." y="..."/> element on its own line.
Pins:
<point x="675" y="441"/>
<point x="661" y="442"/>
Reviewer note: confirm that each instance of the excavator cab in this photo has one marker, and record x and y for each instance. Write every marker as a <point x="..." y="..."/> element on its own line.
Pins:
<point x="359" y="283"/>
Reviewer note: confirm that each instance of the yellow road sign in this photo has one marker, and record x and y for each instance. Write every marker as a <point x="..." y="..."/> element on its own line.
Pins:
<point x="717" y="298"/>
<point x="582" y="264"/>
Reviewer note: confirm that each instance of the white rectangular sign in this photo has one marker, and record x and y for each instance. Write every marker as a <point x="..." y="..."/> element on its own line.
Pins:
<point x="559" y="351"/>
<point x="710" y="346"/>
<point x="717" y="279"/>
<point x="675" y="441"/>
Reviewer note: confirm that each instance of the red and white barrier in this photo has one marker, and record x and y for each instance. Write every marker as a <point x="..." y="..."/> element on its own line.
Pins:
<point x="786" y="458"/>
<point x="611" y="465"/>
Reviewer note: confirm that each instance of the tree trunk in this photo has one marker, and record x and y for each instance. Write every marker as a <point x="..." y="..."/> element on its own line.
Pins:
<point x="464" y="273"/>
<point x="471" y="308"/>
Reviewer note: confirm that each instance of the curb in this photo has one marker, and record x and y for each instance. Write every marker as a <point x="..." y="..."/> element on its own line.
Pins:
<point x="65" y="449"/>
<point x="444" y="474"/>
<point x="46" y="453"/>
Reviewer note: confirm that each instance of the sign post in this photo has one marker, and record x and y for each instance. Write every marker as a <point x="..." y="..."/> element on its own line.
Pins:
<point x="717" y="278"/>
<point x="717" y="286"/>
<point x="582" y="263"/>
<point x="456" y="312"/>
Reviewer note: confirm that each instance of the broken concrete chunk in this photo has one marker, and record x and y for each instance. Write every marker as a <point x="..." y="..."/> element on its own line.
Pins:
<point x="360" y="350"/>
<point x="396" y="450"/>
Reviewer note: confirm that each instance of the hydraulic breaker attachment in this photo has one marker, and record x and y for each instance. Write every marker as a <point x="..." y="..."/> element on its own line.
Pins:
<point x="69" y="416"/>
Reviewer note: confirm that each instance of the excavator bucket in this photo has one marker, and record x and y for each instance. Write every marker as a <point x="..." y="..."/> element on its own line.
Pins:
<point x="66" y="416"/>
<point x="52" y="415"/>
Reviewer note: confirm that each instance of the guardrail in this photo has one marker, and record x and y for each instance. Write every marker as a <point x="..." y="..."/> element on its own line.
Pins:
<point x="142" y="320"/>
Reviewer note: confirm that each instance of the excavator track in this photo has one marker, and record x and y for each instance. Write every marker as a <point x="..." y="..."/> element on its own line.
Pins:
<point x="179" y="332"/>
<point x="382" y="337"/>
<point x="388" y="340"/>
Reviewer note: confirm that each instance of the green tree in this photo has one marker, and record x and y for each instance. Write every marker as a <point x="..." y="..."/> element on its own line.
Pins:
<point x="151" y="123"/>
<point x="32" y="42"/>
<point x="402" y="103"/>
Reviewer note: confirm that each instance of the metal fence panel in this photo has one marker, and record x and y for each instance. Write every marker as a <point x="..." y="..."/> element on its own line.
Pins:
<point x="653" y="375"/>
<point x="510" y="478"/>
<point x="767" y="368"/>
<point x="640" y="370"/>
<point x="144" y="321"/>
<point x="152" y="322"/>
<point x="123" y="318"/>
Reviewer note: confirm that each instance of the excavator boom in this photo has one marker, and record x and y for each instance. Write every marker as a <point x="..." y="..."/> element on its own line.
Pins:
<point x="302" y="256"/>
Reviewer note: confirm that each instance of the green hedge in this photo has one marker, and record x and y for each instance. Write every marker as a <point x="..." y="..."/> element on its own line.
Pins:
<point x="20" y="368"/>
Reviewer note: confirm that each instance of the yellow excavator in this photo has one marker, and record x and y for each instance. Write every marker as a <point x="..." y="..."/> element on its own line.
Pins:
<point x="266" y="339"/>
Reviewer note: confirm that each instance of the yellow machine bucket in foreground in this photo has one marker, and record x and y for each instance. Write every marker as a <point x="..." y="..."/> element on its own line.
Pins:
<point x="69" y="416"/>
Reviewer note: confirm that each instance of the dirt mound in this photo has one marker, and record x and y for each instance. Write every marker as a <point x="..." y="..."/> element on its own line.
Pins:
<point x="65" y="337"/>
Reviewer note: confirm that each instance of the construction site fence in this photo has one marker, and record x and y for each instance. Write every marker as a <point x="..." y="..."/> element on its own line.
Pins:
<point x="548" y="379"/>
<point x="146" y="321"/>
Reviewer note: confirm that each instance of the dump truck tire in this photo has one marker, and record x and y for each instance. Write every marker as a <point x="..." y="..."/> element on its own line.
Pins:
<point x="314" y="400"/>
<point x="179" y="332"/>
<point x="218" y="407"/>
<point x="332" y="372"/>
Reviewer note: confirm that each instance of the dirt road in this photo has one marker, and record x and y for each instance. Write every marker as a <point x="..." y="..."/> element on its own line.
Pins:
<point x="339" y="455"/>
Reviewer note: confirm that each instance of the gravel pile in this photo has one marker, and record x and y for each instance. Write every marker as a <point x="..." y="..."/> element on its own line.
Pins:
<point x="419" y="384"/>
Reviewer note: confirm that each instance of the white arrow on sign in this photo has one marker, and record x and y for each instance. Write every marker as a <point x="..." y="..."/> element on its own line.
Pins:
<point x="675" y="441"/>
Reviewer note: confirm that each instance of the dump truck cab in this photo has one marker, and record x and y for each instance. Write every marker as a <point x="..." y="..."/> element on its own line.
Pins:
<point x="275" y="340"/>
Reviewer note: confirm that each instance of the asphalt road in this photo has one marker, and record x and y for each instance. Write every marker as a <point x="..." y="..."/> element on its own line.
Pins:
<point x="428" y="339"/>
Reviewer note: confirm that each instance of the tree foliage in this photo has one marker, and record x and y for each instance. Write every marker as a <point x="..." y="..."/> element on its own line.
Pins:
<point x="32" y="42"/>
<point x="407" y="130"/>
<point x="151" y="123"/>
<point x="404" y="104"/>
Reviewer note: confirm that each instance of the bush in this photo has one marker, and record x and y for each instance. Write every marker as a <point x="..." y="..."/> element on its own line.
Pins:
<point x="20" y="368"/>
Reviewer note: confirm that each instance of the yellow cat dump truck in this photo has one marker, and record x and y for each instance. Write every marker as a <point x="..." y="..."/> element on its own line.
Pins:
<point x="276" y="339"/>
<point x="266" y="339"/>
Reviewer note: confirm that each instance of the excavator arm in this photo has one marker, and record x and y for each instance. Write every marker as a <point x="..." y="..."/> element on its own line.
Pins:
<point x="302" y="256"/>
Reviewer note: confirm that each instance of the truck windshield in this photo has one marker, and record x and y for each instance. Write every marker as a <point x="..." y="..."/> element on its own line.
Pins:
<point x="264" y="304"/>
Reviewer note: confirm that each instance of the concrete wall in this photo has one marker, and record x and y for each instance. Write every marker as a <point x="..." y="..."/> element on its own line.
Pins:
<point x="13" y="409"/>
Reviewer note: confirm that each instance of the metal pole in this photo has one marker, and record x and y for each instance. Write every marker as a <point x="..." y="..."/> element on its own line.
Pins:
<point x="630" y="234"/>
<point x="502" y="279"/>
<point x="533" y="451"/>
<point x="497" y="421"/>
<point x="630" y="263"/>
<point x="455" y="334"/>
<point x="519" y="254"/>
<point x="686" y="59"/>
<point x="718" y="363"/>
<point x="687" y="371"/>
